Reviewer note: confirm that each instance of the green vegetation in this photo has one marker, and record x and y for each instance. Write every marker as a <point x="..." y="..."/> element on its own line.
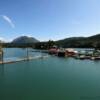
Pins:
<point x="81" y="42"/>
<point x="74" y="42"/>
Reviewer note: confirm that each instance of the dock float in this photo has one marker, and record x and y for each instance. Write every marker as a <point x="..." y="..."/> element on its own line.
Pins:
<point x="23" y="59"/>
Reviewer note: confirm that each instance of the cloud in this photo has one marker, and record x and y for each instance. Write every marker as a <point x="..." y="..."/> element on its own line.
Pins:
<point x="7" y="19"/>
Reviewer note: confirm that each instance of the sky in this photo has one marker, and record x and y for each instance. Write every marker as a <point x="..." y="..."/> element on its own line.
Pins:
<point x="49" y="19"/>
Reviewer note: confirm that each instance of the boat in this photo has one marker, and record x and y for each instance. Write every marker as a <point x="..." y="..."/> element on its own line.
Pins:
<point x="53" y="51"/>
<point x="70" y="52"/>
<point x="82" y="57"/>
<point x="61" y="54"/>
<point x="95" y="58"/>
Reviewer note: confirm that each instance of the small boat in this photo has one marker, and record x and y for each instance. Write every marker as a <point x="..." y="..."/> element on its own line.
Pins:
<point x="95" y="58"/>
<point x="70" y="52"/>
<point x="53" y="51"/>
<point x="61" y="54"/>
<point x="87" y="57"/>
<point x="82" y="57"/>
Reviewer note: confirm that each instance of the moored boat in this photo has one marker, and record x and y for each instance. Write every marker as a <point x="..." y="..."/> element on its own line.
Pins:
<point x="95" y="58"/>
<point x="82" y="57"/>
<point x="70" y="52"/>
<point x="61" y="53"/>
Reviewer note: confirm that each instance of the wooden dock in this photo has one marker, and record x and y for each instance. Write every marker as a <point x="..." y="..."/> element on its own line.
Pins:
<point x="22" y="59"/>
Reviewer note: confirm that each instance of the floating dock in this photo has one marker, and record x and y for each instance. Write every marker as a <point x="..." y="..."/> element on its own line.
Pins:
<point x="22" y="59"/>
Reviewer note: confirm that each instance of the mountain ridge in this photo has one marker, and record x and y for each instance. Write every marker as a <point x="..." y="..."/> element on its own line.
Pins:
<point x="74" y="42"/>
<point x="91" y="41"/>
<point x="24" y="39"/>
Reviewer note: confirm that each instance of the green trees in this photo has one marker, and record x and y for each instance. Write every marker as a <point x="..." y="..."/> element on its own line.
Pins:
<point x="45" y="45"/>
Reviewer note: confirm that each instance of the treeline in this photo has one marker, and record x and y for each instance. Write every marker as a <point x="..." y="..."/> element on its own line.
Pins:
<point x="45" y="45"/>
<point x="74" y="42"/>
<point x="81" y="42"/>
<point x="39" y="45"/>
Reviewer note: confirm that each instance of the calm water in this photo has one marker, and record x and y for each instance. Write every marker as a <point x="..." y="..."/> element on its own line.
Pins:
<point x="50" y="79"/>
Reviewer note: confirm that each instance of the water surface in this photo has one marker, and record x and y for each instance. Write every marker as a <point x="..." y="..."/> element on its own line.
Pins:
<point x="52" y="78"/>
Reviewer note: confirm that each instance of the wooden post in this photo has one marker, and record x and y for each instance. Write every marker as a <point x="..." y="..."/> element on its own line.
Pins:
<point x="1" y="53"/>
<point x="27" y="54"/>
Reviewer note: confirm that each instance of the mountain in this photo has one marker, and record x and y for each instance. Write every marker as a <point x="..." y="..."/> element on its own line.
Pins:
<point x="94" y="37"/>
<point x="24" y="40"/>
<point x="92" y="41"/>
<point x="73" y="42"/>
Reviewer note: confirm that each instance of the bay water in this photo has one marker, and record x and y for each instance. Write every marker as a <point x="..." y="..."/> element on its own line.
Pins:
<point x="51" y="78"/>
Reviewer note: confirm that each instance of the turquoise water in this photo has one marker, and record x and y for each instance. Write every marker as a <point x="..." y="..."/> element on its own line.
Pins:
<point x="11" y="54"/>
<point x="51" y="78"/>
